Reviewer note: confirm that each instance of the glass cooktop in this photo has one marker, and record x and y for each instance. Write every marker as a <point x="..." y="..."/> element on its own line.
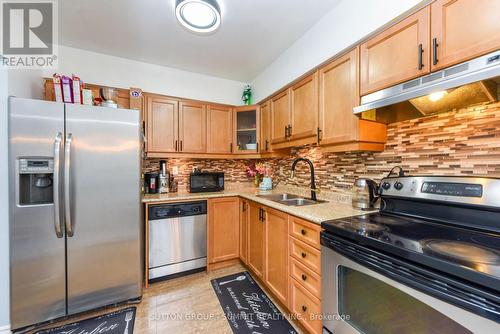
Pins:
<point x="465" y="253"/>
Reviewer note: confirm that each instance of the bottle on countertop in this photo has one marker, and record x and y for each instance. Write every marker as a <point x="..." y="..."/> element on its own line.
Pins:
<point x="173" y="186"/>
<point x="163" y="178"/>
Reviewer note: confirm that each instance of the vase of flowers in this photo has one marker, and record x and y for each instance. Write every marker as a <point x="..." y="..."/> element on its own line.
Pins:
<point x="256" y="171"/>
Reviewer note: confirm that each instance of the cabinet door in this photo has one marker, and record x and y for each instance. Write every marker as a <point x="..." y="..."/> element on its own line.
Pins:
<point x="219" y="129"/>
<point x="304" y="108"/>
<point x="265" y="127"/>
<point x="338" y="94"/>
<point x="280" y="116"/>
<point x="464" y="29"/>
<point x="246" y="129"/>
<point x="276" y="253"/>
<point x="255" y="240"/>
<point x="223" y="229"/>
<point x="192" y="127"/>
<point x="397" y="54"/>
<point x="244" y="215"/>
<point x="162" y="124"/>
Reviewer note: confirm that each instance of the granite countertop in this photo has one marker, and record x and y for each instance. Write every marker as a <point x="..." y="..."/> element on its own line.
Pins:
<point x="338" y="205"/>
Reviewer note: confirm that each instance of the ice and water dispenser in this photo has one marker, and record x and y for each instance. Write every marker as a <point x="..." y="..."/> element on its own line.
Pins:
<point x="36" y="181"/>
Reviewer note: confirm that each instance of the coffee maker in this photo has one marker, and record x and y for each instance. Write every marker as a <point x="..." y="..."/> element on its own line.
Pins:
<point x="35" y="181"/>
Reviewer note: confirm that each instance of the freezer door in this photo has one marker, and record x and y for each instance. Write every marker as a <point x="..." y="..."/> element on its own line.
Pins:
<point x="37" y="253"/>
<point x="102" y="206"/>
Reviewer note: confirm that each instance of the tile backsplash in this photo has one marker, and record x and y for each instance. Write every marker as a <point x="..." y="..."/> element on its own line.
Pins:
<point x="460" y="142"/>
<point x="234" y="170"/>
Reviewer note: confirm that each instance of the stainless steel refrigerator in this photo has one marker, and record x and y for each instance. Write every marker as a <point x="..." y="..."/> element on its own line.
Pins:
<point x="75" y="221"/>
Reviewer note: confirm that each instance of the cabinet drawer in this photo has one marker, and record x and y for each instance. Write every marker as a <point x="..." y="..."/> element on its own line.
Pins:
<point x="305" y="231"/>
<point x="306" y="307"/>
<point x="305" y="254"/>
<point x="306" y="277"/>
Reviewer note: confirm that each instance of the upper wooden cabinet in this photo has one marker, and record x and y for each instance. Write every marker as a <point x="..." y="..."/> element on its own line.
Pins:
<point x="340" y="129"/>
<point x="398" y="54"/>
<point x="223" y="229"/>
<point x="192" y="127"/>
<point x="304" y="109"/>
<point x="265" y="127"/>
<point x="280" y="117"/>
<point x="161" y="126"/>
<point x="246" y="130"/>
<point x="294" y="114"/>
<point x="219" y="129"/>
<point x="463" y="29"/>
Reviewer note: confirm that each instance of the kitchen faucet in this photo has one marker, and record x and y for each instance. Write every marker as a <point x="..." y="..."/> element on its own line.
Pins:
<point x="311" y="167"/>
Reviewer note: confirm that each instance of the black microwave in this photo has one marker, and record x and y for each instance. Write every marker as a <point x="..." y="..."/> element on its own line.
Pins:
<point x="206" y="182"/>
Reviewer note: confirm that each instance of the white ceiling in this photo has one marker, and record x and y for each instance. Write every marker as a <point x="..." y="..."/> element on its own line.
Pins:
<point x="252" y="35"/>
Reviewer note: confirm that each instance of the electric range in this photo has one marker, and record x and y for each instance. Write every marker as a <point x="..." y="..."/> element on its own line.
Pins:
<point x="433" y="249"/>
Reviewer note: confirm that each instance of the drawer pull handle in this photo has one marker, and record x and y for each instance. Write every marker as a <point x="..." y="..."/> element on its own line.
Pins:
<point x="303" y="232"/>
<point x="304" y="277"/>
<point x="304" y="308"/>
<point x="303" y="254"/>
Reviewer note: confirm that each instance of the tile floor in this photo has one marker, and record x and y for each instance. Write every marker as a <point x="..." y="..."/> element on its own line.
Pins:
<point x="182" y="305"/>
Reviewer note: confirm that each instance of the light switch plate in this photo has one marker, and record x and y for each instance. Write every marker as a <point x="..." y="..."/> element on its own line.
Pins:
<point x="175" y="171"/>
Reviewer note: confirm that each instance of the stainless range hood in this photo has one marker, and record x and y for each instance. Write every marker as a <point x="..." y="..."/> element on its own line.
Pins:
<point x="471" y="82"/>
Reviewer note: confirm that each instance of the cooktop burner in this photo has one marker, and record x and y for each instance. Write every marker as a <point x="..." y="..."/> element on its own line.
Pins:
<point x="387" y="220"/>
<point x="361" y="227"/>
<point x="459" y="251"/>
<point x="462" y="251"/>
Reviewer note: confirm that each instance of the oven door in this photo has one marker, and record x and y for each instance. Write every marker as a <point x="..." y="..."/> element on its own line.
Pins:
<point x="357" y="299"/>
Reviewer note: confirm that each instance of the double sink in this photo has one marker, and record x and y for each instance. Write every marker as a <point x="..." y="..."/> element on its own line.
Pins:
<point x="290" y="199"/>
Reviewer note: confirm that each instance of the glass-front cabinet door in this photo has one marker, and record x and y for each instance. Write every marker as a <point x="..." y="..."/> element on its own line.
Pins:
<point x="246" y="120"/>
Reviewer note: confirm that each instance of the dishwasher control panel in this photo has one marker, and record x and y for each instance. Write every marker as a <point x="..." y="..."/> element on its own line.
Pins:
<point x="164" y="211"/>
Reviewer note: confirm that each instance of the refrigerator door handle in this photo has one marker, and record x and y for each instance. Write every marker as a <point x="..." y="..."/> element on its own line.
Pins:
<point x="56" y="186"/>
<point x="67" y="185"/>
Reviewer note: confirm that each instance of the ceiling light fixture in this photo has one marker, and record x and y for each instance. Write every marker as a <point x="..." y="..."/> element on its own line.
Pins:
<point x="437" y="96"/>
<point x="200" y="16"/>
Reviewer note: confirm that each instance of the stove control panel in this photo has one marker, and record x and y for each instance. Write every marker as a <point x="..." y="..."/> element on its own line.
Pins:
<point x="453" y="189"/>
<point x="467" y="190"/>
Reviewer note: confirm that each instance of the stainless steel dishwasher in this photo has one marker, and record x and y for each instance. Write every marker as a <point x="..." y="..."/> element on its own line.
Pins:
<point x="177" y="238"/>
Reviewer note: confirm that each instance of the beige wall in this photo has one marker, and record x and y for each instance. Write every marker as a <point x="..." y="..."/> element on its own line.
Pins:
<point x="119" y="72"/>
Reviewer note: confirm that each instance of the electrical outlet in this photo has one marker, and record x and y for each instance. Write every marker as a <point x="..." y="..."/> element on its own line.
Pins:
<point x="281" y="170"/>
<point x="175" y="171"/>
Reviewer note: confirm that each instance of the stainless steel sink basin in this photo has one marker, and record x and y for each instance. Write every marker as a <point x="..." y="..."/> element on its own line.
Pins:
<point x="291" y="200"/>
<point x="278" y="197"/>
<point x="300" y="202"/>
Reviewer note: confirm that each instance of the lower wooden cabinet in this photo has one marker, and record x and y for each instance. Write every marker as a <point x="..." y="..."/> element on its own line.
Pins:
<point x="244" y="216"/>
<point x="223" y="229"/>
<point x="305" y="307"/>
<point x="306" y="254"/>
<point x="256" y="239"/>
<point x="284" y="252"/>
<point x="305" y="273"/>
<point x="307" y="277"/>
<point x="276" y="253"/>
